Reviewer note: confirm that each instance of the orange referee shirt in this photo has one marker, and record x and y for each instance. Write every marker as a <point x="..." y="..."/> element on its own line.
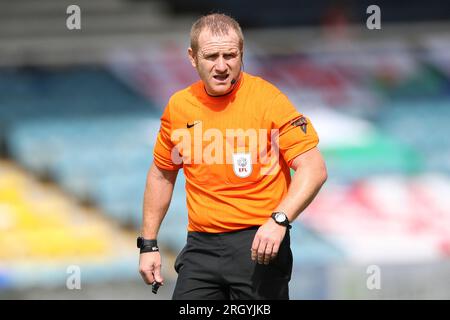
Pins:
<point x="235" y="151"/>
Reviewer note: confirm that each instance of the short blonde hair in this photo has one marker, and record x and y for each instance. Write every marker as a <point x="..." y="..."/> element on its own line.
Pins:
<point x="217" y="24"/>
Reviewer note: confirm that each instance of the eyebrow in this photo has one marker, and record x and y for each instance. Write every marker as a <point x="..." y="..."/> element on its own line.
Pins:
<point x="210" y="54"/>
<point x="214" y="53"/>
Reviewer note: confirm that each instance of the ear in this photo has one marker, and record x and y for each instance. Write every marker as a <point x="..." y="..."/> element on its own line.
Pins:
<point x="192" y="57"/>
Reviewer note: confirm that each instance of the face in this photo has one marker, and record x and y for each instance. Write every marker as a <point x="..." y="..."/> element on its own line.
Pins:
<point x="218" y="61"/>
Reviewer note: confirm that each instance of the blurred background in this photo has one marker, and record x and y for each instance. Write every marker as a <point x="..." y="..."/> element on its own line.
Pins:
<point x="79" y="113"/>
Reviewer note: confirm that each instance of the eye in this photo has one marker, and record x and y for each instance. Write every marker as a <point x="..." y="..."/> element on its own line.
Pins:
<point x="229" y="56"/>
<point x="211" y="57"/>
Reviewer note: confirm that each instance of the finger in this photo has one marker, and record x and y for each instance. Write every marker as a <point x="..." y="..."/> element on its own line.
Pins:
<point x="157" y="274"/>
<point x="268" y="253"/>
<point x="261" y="251"/>
<point x="275" y="249"/>
<point x="147" y="275"/>
<point x="255" y="246"/>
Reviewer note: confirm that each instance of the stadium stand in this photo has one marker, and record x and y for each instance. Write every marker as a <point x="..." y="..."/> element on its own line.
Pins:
<point x="43" y="232"/>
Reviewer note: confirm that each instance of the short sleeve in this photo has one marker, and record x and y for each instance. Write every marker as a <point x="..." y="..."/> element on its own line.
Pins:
<point x="296" y="134"/>
<point x="164" y="147"/>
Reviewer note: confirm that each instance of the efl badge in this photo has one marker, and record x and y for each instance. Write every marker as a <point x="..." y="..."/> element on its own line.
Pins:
<point x="300" y="122"/>
<point x="242" y="164"/>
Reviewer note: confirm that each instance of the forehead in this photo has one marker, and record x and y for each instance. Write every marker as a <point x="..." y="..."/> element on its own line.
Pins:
<point x="209" y="42"/>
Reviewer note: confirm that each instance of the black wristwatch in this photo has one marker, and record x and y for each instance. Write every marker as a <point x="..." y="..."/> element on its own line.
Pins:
<point x="280" y="218"/>
<point x="147" y="245"/>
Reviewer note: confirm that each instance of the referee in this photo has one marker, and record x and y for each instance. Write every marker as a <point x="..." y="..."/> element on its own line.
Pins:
<point x="236" y="137"/>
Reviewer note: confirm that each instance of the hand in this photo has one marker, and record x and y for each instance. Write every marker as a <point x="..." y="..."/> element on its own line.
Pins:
<point x="150" y="267"/>
<point x="267" y="242"/>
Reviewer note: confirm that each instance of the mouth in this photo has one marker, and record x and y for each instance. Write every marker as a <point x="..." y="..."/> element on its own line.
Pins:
<point x="221" y="77"/>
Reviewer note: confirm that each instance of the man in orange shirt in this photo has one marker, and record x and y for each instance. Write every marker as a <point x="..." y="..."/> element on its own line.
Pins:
<point x="236" y="136"/>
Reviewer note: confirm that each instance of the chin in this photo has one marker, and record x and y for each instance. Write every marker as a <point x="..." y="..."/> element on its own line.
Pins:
<point x="220" y="90"/>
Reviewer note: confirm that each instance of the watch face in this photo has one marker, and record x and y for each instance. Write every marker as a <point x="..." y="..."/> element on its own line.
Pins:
<point x="280" y="217"/>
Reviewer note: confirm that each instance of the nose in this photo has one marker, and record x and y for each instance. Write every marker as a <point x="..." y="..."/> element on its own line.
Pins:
<point x="221" y="66"/>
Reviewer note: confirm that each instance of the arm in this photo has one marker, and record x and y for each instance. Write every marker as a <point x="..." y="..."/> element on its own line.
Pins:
<point x="310" y="175"/>
<point x="157" y="196"/>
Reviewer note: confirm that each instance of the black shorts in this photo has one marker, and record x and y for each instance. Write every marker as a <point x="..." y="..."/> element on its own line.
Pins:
<point x="219" y="267"/>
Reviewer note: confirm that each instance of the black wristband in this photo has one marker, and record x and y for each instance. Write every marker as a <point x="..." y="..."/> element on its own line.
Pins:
<point x="149" y="249"/>
<point x="150" y="245"/>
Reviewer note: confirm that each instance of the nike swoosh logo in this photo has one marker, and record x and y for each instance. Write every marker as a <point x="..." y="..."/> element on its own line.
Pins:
<point x="191" y="125"/>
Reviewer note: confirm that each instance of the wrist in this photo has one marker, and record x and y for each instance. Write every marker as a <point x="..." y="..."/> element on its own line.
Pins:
<point x="280" y="218"/>
<point x="147" y="245"/>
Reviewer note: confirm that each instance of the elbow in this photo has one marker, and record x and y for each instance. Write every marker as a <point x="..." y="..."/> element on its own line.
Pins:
<point x="323" y="175"/>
